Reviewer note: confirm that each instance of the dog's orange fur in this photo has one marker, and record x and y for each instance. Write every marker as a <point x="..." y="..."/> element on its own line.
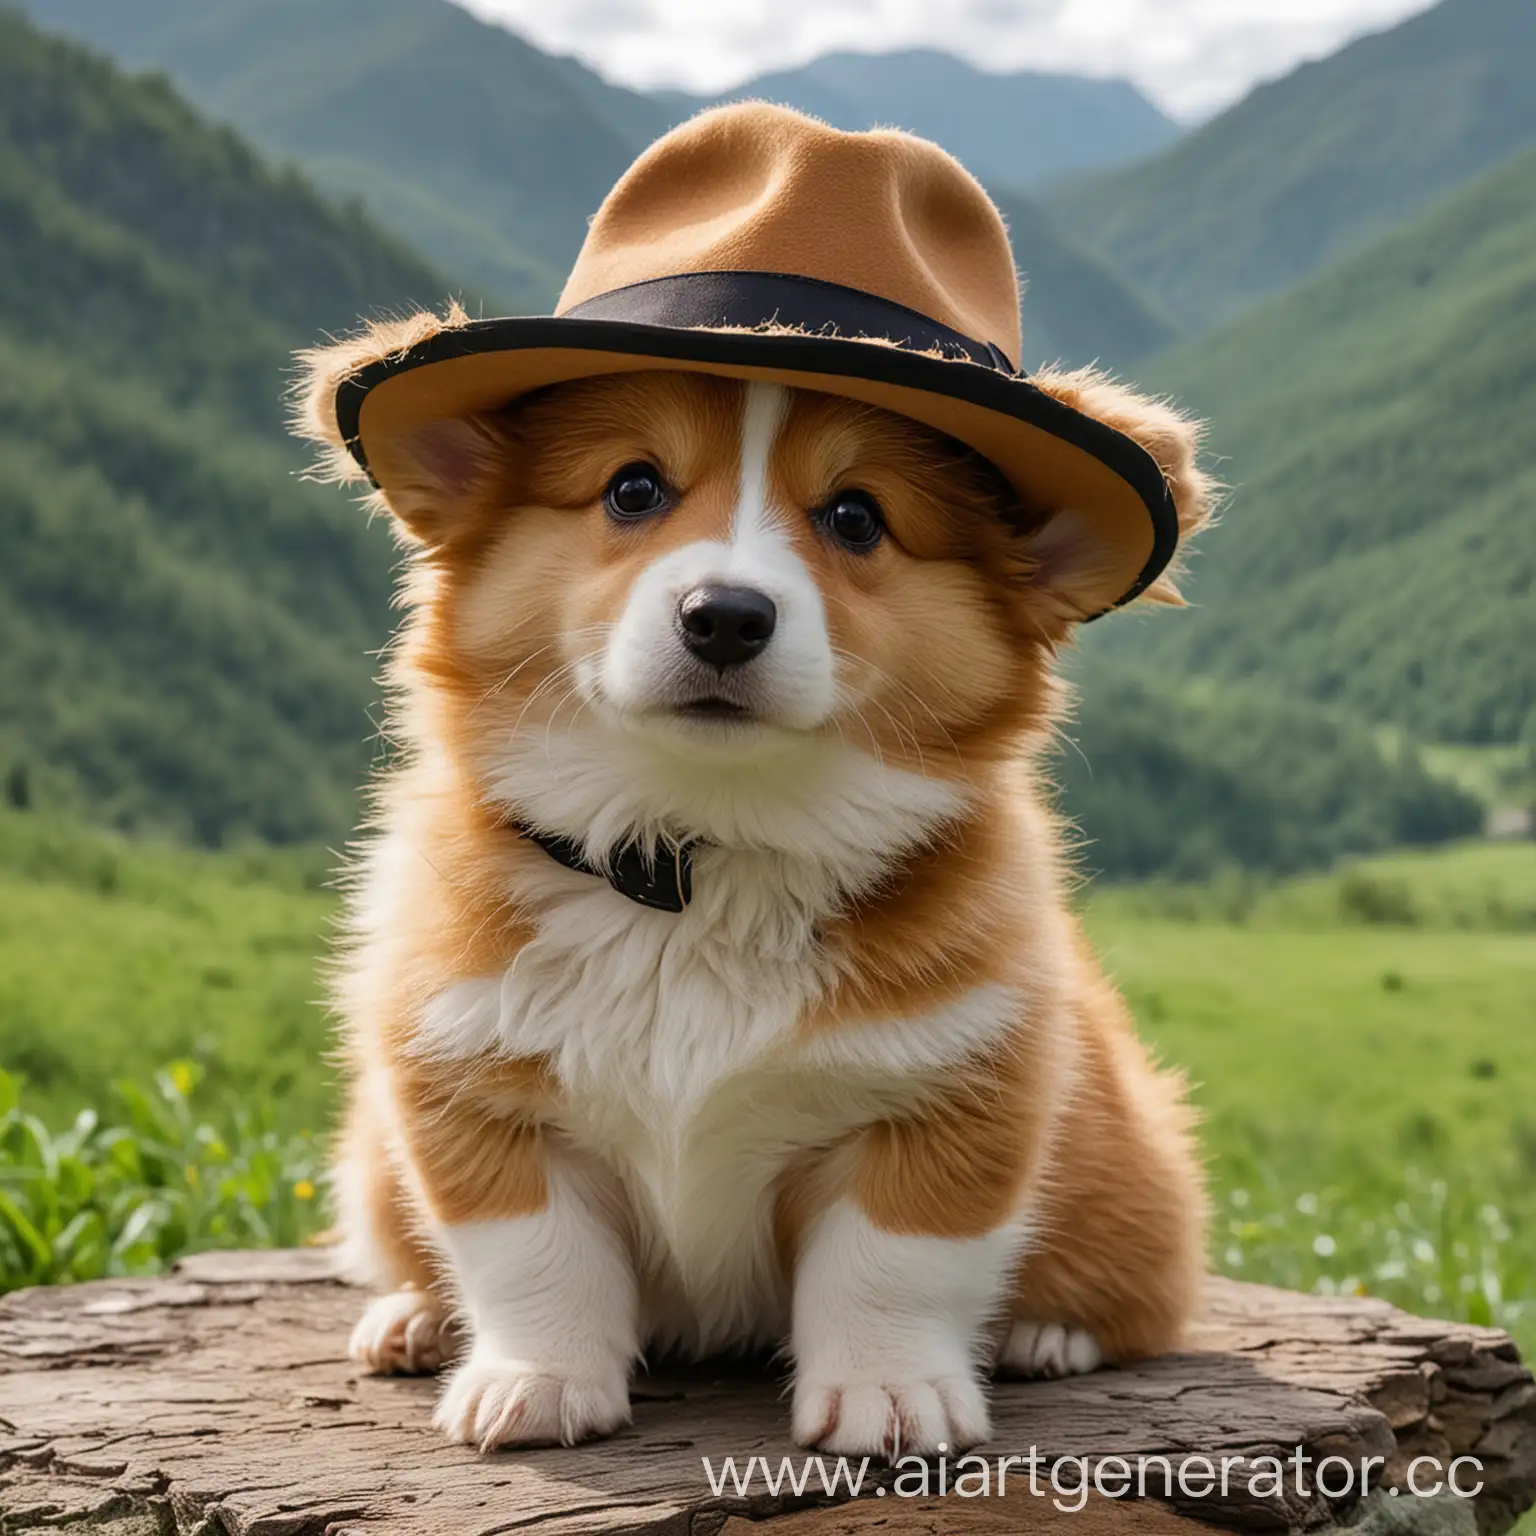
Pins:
<point x="947" y="635"/>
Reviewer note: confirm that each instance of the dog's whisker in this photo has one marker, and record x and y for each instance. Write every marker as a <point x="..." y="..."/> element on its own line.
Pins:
<point x="598" y="630"/>
<point x="911" y="733"/>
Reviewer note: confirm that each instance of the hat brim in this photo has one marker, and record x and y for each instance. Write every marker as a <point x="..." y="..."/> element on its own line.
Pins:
<point x="1054" y="455"/>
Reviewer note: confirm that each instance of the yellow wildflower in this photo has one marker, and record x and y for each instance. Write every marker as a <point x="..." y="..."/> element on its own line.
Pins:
<point x="304" y="1190"/>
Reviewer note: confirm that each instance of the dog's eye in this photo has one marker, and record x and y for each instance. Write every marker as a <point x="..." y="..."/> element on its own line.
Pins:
<point x="635" y="492"/>
<point x="853" y="519"/>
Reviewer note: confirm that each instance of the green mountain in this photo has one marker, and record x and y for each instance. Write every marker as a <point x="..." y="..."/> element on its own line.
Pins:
<point x="182" y="623"/>
<point x="1307" y="169"/>
<point x="186" y="628"/>
<point x="1077" y="309"/>
<point x="1379" y="551"/>
<point x="1012" y="130"/>
<point x="462" y="138"/>
<point x="490" y="156"/>
<point x="1183" y="783"/>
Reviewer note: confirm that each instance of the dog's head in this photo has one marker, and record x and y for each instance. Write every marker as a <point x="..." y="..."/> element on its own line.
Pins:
<point x="709" y="582"/>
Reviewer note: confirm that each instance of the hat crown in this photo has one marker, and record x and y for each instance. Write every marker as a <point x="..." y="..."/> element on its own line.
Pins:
<point x="759" y="188"/>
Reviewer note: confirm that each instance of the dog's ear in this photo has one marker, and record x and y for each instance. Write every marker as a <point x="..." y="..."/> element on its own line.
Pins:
<point x="1067" y="562"/>
<point x="443" y="468"/>
<point x="444" y="461"/>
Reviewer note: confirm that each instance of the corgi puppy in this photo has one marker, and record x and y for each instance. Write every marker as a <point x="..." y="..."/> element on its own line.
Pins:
<point x="711" y="979"/>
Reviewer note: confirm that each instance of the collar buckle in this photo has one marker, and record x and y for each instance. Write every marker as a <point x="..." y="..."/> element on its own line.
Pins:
<point x="659" y="876"/>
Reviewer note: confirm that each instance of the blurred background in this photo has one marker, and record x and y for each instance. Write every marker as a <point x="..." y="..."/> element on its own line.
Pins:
<point x="1306" y="802"/>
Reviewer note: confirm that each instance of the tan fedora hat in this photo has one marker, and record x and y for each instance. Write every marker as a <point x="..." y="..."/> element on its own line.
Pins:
<point x="756" y="243"/>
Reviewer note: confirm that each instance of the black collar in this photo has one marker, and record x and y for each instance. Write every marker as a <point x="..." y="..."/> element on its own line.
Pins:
<point x="660" y="876"/>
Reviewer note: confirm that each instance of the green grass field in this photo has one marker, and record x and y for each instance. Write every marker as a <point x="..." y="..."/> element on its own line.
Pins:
<point x="1361" y="1045"/>
<point x="1380" y="1015"/>
<point x="117" y="958"/>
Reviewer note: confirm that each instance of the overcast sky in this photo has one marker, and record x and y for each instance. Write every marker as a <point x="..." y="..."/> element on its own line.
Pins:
<point x="1190" y="56"/>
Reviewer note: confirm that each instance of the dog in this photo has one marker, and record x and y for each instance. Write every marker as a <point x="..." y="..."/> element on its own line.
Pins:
<point x="711" y="979"/>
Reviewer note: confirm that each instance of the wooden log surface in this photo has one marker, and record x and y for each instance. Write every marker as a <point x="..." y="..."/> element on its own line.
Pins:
<point x="220" y="1400"/>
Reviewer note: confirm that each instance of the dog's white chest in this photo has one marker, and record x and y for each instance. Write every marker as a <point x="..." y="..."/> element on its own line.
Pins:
<point x="674" y="1039"/>
<point x="701" y="1181"/>
<point x="667" y="1034"/>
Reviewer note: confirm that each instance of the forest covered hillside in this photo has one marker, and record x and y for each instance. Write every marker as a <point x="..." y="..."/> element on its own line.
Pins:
<point x="1311" y="167"/>
<point x="1076" y="309"/>
<point x="183" y="623"/>
<point x="188" y="631"/>
<point x="484" y="152"/>
<point x="1375" y="425"/>
<point x="490" y="156"/>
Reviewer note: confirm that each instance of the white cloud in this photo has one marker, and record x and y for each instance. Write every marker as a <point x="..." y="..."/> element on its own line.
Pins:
<point x="1191" y="56"/>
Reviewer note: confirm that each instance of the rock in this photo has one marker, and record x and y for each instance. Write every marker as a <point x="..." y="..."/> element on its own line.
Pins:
<point x="220" y="1401"/>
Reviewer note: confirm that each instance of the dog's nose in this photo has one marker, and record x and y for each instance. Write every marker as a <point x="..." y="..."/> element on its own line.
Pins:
<point x="726" y="626"/>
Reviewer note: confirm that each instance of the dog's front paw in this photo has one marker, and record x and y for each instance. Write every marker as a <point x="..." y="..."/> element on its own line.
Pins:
<point x="490" y="1402"/>
<point x="1048" y="1350"/>
<point x="870" y="1416"/>
<point x="404" y="1333"/>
